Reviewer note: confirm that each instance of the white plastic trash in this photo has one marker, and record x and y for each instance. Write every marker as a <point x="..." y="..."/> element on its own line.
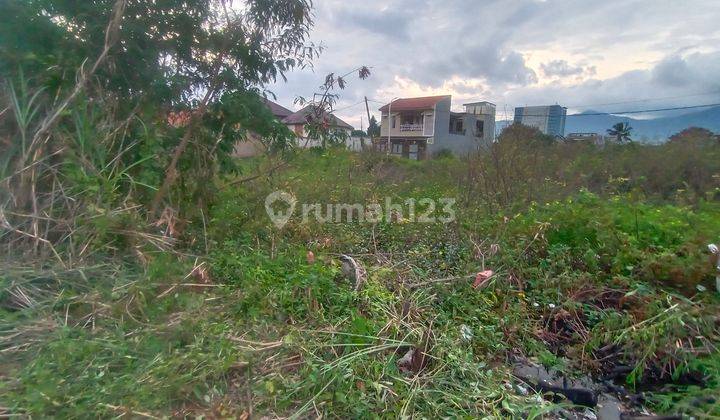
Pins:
<point x="716" y="251"/>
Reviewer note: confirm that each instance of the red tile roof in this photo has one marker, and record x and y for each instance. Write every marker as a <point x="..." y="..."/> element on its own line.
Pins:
<point x="306" y="114"/>
<point x="408" y="104"/>
<point x="278" y="110"/>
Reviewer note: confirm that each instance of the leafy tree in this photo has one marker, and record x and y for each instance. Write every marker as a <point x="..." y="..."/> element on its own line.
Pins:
<point x="318" y="126"/>
<point x="695" y="135"/>
<point x="90" y="88"/>
<point x="123" y="112"/>
<point x="167" y="52"/>
<point x="373" y="129"/>
<point x="621" y="131"/>
<point x="144" y="60"/>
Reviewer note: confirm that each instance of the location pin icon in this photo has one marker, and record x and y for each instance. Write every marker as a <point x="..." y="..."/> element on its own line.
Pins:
<point x="280" y="218"/>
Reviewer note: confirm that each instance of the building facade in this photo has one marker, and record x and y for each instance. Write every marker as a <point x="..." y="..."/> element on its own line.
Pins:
<point x="549" y="119"/>
<point x="297" y="123"/>
<point x="592" y="138"/>
<point x="251" y="145"/>
<point x="418" y="128"/>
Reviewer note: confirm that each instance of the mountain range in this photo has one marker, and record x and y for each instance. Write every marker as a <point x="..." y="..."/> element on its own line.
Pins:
<point x="650" y="130"/>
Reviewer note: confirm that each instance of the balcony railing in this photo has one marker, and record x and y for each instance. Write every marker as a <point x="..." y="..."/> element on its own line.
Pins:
<point x="411" y="127"/>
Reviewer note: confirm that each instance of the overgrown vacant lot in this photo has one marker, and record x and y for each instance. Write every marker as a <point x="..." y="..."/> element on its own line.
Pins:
<point x="609" y="279"/>
<point x="142" y="277"/>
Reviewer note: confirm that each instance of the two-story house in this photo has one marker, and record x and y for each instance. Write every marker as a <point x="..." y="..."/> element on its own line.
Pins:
<point x="418" y="128"/>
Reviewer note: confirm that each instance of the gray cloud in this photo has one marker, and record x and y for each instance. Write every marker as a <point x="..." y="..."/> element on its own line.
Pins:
<point x="674" y="81"/>
<point x="502" y="50"/>
<point x="561" y="68"/>
<point x="673" y="71"/>
<point x="696" y="72"/>
<point x="482" y="62"/>
<point x="393" y="24"/>
<point x="512" y="68"/>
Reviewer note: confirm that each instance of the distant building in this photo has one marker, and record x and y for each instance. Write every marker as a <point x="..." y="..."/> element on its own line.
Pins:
<point x="297" y="121"/>
<point x="252" y="145"/>
<point x="418" y="128"/>
<point x="279" y="111"/>
<point x="549" y="119"/>
<point x="594" y="138"/>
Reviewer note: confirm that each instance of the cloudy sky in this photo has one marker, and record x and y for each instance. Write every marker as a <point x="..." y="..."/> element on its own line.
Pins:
<point x="583" y="54"/>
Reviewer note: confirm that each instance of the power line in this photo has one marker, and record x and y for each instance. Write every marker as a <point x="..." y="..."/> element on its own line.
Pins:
<point x="639" y="111"/>
<point x="349" y="106"/>
<point x="675" y="108"/>
<point x="660" y="98"/>
<point x="647" y="99"/>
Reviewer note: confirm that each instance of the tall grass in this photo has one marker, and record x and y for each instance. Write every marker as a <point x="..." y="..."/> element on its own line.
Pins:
<point x="524" y="166"/>
<point x="76" y="190"/>
<point x="106" y="313"/>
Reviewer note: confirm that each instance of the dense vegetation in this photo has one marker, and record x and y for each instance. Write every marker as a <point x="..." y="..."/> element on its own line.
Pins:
<point x="239" y="319"/>
<point x="142" y="277"/>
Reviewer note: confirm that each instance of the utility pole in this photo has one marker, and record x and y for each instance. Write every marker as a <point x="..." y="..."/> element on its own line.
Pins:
<point x="388" y="121"/>
<point x="362" y="137"/>
<point x="389" y="126"/>
<point x="367" y="109"/>
<point x="362" y="140"/>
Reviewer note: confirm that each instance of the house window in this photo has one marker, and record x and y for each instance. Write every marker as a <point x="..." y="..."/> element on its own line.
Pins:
<point x="456" y="126"/>
<point x="397" y="148"/>
<point x="479" y="128"/>
<point x="411" y="118"/>
<point x="393" y="121"/>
